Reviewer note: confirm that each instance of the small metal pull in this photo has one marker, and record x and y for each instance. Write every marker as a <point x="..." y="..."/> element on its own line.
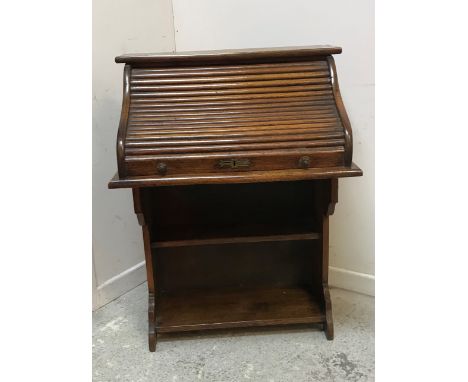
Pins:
<point x="304" y="162"/>
<point x="234" y="163"/>
<point x="162" y="168"/>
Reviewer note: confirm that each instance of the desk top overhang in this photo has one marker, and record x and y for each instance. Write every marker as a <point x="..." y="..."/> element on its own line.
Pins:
<point x="235" y="116"/>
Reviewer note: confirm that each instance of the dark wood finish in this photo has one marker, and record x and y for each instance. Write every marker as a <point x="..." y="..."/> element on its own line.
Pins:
<point x="122" y="132"/>
<point x="330" y="209"/>
<point x="342" y="112"/>
<point x="239" y="177"/>
<point x="234" y="240"/>
<point x="273" y="109"/>
<point x="283" y="53"/>
<point x="149" y="268"/>
<point x="250" y="145"/>
<point x="239" y="265"/>
<point x="231" y="308"/>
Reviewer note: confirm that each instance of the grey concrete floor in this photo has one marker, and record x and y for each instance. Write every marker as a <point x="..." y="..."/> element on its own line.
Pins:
<point x="120" y="351"/>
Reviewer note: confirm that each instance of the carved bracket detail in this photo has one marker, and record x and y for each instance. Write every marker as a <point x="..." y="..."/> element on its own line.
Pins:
<point x="333" y="196"/>
<point x="141" y="219"/>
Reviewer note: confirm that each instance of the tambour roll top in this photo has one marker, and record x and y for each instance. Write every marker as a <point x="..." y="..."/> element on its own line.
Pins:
<point x="232" y="116"/>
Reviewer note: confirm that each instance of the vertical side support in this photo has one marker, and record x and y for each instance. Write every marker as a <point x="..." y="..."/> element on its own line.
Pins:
<point x="332" y="200"/>
<point x="348" y="156"/>
<point x="137" y="203"/>
<point x="122" y="132"/>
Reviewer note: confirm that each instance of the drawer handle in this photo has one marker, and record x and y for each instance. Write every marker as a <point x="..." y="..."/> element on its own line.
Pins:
<point x="304" y="162"/>
<point x="234" y="163"/>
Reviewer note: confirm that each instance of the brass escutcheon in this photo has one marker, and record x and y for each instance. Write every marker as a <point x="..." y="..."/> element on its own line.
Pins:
<point x="234" y="163"/>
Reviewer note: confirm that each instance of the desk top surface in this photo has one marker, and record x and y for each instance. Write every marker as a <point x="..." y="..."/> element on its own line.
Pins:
<point x="256" y="53"/>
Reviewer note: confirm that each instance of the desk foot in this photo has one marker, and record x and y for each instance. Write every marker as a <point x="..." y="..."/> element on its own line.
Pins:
<point x="152" y="335"/>
<point x="328" y="325"/>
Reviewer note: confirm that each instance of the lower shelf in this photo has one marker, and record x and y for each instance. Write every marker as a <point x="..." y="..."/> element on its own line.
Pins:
<point x="230" y="308"/>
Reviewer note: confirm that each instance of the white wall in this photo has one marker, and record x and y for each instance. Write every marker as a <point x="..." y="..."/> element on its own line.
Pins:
<point x="119" y="26"/>
<point x="224" y="24"/>
<point x="124" y="26"/>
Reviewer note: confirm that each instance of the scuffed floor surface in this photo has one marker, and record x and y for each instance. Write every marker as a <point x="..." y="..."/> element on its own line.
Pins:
<point x="120" y="351"/>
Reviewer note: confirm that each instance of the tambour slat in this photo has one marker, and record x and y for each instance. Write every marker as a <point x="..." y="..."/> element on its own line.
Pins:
<point x="230" y="104"/>
<point x="135" y="112"/>
<point x="230" y="70"/>
<point x="197" y="124"/>
<point x="231" y="121"/>
<point x="246" y="86"/>
<point x="314" y="127"/>
<point x="322" y="128"/>
<point x="326" y="95"/>
<point x="241" y="154"/>
<point x="241" y="91"/>
<point x="154" y="80"/>
<point x="236" y="147"/>
<point x="169" y="134"/>
<point x="140" y="116"/>
<point x="136" y="120"/>
<point x="222" y="140"/>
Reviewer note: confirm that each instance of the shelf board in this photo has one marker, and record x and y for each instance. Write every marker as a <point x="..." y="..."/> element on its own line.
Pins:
<point x="235" y="240"/>
<point x="231" y="308"/>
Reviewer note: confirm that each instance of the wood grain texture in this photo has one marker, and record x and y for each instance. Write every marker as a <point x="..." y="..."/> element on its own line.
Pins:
<point x="230" y="308"/>
<point x="239" y="177"/>
<point x="154" y="132"/>
<point x="140" y="212"/>
<point x="122" y="132"/>
<point x="184" y="112"/>
<point x="342" y="112"/>
<point x="229" y="55"/>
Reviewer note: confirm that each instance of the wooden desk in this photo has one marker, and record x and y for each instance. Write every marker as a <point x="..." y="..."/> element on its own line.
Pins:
<point x="234" y="158"/>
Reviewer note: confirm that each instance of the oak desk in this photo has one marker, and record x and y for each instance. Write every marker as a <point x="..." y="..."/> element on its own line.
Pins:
<point x="234" y="158"/>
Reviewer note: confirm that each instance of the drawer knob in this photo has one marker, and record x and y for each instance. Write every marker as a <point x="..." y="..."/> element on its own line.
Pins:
<point x="304" y="162"/>
<point x="162" y="168"/>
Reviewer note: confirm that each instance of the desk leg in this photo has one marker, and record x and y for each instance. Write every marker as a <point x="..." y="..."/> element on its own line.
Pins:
<point x="328" y="326"/>
<point x="333" y="199"/>
<point x="152" y="334"/>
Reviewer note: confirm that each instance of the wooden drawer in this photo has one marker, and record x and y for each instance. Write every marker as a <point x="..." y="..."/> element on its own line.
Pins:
<point x="229" y="162"/>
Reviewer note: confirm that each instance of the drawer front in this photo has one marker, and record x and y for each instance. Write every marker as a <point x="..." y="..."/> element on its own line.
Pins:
<point x="232" y="162"/>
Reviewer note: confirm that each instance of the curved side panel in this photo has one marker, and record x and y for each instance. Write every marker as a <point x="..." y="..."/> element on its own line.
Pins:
<point x="121" y="135"/>
<point x="342" y="111"/>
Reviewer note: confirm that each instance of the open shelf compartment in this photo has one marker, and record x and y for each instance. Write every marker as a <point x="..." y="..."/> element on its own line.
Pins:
<point x="220" y="214"/>
<point x="230" y="308"/>
<point x="227" y="256"/>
